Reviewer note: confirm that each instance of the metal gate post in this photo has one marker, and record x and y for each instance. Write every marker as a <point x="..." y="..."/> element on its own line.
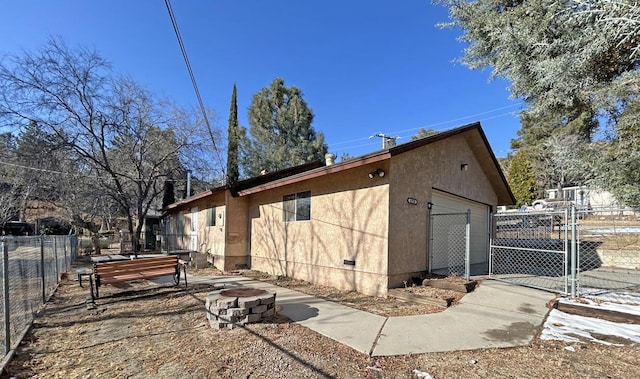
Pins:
<point x="491" y="235"/>
<point x="5" y="297"/>
<point x="67" y="262"/>
<point x="42" y="275"/>
<point x="429" y="237"/>
<point x="467" y="253"/>
<point x="55" y="255"/>
<point x="574" y="266"/>
<point x="565" y="263"/>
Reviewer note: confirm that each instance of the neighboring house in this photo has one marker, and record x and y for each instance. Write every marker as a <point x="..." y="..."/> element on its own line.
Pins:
<point x="583" y="197"/>
<point x="356" y="225"/>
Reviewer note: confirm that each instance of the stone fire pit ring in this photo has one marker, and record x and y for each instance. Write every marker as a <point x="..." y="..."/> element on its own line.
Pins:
<point x="229" y="308"/>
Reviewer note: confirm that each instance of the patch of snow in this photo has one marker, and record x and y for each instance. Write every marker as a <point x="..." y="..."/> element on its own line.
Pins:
<point x="567" y="327"/>
<point x="422" y="374"/>
<point x="614" y="230"/>
<point x="619" y="297"/>
<point x="570" y="348"/>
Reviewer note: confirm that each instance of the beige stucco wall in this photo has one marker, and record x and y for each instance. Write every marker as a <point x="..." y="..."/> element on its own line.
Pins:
<point x="413" y="175"/>
<point x="236" y="252"/>
<point x="209" y="239"/>
<point x="349" y="219"/>
<point x="226" y="242"/>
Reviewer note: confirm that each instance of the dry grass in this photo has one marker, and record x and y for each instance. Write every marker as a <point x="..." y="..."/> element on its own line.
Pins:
<point x="142" y="331"/>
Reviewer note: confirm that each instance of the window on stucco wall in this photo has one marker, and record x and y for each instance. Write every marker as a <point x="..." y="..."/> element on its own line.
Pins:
<point x="296" y="207"/>
<point x="180" y="223"/>
<point x="211" y="216"/>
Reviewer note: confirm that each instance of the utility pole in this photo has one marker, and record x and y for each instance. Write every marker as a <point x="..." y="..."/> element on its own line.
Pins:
<point x="387" y="141"/>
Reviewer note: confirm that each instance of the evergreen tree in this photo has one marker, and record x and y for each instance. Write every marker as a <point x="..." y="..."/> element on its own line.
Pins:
<point x="521" y="179"/>
<point x="574" y="63"/>
<point x="616" y="165"/>
<point x="559" y="55"/>
<point x="234" y="139"/>
<point x="423" y="133"/>
<point x="281" y="131"/>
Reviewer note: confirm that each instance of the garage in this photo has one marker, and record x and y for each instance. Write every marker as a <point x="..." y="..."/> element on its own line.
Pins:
<point x="448" y="232"/>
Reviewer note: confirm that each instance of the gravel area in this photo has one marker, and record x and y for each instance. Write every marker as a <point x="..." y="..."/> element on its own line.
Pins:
<point x="138" y="330"/>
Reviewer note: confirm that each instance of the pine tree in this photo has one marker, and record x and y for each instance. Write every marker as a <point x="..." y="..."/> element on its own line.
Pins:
<point x="423" y="133"/>
<point x="233" y="138"/>
<point x="281" y="132"/>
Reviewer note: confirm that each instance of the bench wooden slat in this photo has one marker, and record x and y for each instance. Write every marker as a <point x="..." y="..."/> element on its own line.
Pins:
<point x="129" y="276"/>
<point x="138" y="268"/>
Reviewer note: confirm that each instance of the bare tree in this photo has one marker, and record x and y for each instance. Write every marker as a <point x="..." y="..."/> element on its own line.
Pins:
<point x="115" y="131"/>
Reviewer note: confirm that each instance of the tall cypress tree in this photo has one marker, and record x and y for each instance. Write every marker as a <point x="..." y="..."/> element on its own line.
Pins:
<point x="233" y="138"/>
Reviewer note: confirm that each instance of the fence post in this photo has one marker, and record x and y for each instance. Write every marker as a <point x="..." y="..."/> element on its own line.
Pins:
<point x="64" y="243"/>
<point x="5" y="297"/>
<point x="467" y="253"/>
<point x="55" y="257"/>
<point x="429" y="237"/>
<point x="492" y="230"/>
<point x="574" y="266"/>
<point x="44" y="285"/>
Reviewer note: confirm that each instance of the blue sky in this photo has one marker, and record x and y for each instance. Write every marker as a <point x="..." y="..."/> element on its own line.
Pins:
<point x="364" y="67"/>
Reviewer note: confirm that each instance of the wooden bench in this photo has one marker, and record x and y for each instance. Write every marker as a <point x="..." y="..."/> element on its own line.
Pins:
<point x="136" y="269"/>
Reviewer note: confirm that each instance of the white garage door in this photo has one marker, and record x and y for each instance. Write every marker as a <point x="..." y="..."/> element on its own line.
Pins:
<point x="446" y="203"/>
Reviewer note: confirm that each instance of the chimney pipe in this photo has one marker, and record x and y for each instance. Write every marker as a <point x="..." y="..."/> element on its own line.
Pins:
<point x="188" y="184"/>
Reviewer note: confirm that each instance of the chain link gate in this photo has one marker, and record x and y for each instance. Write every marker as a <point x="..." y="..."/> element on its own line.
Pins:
<point x="449" y="239"/>
<point x="531" y="249"/>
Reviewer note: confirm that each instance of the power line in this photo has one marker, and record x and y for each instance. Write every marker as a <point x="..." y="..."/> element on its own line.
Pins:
<point x="437" y="124"/>
<point x="350" y="147"/>
<point x="174" y="23"/>
<point x="46" y="170"/>
<point x="466" y="117"/>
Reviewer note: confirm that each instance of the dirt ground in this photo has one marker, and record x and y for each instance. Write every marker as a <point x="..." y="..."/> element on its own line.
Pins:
<point x="141" y="331"/>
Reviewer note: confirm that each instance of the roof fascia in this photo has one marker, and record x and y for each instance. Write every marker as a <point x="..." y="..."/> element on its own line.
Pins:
<point x="325" y="170"/>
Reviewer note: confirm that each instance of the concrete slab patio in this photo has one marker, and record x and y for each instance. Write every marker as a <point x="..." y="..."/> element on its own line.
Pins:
<point x="495" y="315"/>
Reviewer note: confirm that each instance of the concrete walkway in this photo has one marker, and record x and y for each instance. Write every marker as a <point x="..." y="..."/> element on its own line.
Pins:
<point x="496" y="314"/>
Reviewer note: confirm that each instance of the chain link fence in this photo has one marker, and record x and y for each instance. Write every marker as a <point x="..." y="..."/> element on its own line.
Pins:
<point x="449" y="244"/>
<point x="569" y="252"/>
<point x="31" y="268"/>
<point x="608" y="243"/>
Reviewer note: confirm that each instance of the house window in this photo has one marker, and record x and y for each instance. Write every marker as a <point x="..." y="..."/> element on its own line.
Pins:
<point x="180" y="224"/>
<point x="211" y="216"/>
<point x="296" y="207"/>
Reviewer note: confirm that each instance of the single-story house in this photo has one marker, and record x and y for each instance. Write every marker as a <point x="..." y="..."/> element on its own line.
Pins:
<point x="583" y="197"/>
<point x="360" y="224"/>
